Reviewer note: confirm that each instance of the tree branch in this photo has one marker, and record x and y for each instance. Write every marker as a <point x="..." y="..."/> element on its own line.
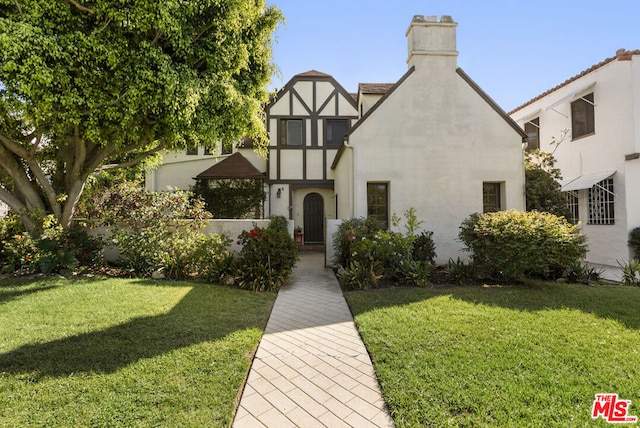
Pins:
<point x="81" y="7"/>
<point x="99" y="30"/>
<point x="40" y="176"/>
<point x="133" y="161"/>
<point x="159" y="34"/>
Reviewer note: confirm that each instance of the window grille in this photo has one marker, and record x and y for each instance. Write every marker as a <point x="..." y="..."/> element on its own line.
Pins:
<point x="601" y="210"/>
<point x="572" y="204"/>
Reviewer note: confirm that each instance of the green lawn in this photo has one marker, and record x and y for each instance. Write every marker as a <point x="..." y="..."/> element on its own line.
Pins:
<point x="124" y="353"/>
<point x="515" y="356"/>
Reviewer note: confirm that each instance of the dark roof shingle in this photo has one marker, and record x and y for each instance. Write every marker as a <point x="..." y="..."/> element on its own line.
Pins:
<point x="235" y="166"/>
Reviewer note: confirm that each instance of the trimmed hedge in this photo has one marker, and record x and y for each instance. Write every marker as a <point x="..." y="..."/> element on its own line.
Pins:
<point x="510" y="245"/>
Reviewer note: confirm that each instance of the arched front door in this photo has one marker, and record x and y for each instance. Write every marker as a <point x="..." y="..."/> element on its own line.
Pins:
<point x="313" y="219"/>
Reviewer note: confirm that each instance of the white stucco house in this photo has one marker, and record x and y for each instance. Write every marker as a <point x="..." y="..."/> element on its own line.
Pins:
<point x="433" y="141"/>
<point x="597" y="111"/>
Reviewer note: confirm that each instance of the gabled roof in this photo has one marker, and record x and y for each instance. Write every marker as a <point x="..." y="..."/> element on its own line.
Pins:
<point x="374" y="88"/>
<point x="464" y="76"/>
<point x="314" y="75"/>
<point x="235" y="166"/>
<point x="621" y="55"/>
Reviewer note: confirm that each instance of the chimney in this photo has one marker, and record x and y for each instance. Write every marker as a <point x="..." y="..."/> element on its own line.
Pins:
<point x="432" y="39"/>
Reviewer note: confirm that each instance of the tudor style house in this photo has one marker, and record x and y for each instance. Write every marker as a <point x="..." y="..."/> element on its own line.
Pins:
<point x="590" y="123"/>
<point x="433" y="141"/>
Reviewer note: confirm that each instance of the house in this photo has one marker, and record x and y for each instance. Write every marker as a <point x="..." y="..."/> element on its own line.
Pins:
<point x="590" y="123"/>
<point x="433" y="141"/>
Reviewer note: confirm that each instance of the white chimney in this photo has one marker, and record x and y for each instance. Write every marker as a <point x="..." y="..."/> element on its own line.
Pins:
<point x="432" y="39"/>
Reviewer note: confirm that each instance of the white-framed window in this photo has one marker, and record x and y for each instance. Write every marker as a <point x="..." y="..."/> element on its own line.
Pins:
<point x="601" y="203"/>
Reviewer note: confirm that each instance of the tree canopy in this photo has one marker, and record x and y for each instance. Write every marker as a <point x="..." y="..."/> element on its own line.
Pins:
<point x="93" y="84"/>
<point x="542" y="184"/>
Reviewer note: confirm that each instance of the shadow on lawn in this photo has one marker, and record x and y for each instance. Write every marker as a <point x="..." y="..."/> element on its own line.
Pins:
<point x="608" y="302"/>
<point x="7" y="296"/>
<point x="190" y="322"/>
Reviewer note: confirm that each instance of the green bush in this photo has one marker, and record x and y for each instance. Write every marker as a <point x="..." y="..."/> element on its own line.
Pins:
<point x="630" y="272"/>
<point x="52" y="250"/>
<point x="348" y="233"/>
<point x="279" y="222"/>
<point x="266" y="258"/>
<point x="424" y="249"/>
<point x="510" y="245"/>
<point x="634" y="242"/>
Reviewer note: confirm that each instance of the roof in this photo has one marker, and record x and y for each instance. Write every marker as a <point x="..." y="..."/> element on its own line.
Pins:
<point x="621" y="55"/>
<point x="234" y="166"/>
<point x="374" y="88"/>
<point x="312" y="73"/>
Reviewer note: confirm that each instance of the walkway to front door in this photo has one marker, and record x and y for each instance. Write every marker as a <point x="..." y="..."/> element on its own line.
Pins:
<point x="311" y="368"/>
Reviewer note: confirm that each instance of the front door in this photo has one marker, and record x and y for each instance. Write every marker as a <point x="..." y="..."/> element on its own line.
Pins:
<point x="313" y="219"/>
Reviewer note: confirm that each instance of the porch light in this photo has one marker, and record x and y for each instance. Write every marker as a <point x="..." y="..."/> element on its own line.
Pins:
<point x="279" y="193"/>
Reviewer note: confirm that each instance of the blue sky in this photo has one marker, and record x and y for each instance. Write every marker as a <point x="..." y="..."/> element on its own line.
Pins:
<point x="514" y="50"/>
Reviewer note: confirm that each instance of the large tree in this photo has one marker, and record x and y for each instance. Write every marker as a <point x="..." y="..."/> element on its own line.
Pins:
<point x="93" y="84"/>
<point x="542" y="184"/>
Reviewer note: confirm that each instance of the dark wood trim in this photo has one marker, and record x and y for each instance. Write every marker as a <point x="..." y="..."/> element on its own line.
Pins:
<point x="632" y="156"/>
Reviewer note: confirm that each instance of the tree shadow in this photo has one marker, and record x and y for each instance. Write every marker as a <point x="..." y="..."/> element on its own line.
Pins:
<point x="608" y="302"/>
<point x="190" y="322"/>
<point x="7" y="296"/>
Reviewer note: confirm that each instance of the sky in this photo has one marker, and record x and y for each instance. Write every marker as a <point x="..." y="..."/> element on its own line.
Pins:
<point x="514" y="50"/>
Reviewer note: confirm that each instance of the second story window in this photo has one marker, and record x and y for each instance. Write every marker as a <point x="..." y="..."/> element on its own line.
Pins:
<point x="334" y="132"/>
<point x="291" y="132"/>
<point x="532" y="129"/>
<point x="192" y="151"/>
<point x="583" y="116"/>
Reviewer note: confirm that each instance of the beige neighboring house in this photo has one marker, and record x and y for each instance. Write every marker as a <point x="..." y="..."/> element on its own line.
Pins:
<point x="433" y="141"/>
<point x="598" y="112"/>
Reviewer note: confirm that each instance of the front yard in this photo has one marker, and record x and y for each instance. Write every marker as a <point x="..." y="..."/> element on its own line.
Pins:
<point x="124" y="353"/>
<point x="516" y="356"/>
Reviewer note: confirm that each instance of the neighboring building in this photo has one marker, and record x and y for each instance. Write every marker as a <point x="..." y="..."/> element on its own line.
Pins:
<point x="591" y="124"/>
<point x="433" y="141"/>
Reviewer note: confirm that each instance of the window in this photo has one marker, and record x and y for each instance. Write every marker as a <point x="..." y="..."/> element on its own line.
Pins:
<point x="572" y="204"/>
<point x="531" y="128"/>
<point x="192" y="151"/>
<point x="207" y="151"/>
<point x="226" y="148"/>
<point x="378" y="202"/>
<point x="291" y="132"/>
<point x="491" y="197"/>
<point x="582" y="116"/>
<point x="334" y="131"/>
<point x="601" y="203"/>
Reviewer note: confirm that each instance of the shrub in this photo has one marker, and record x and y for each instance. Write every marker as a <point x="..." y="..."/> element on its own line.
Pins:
<point x="266" y="258"/>
<point x="349" y="232"/>
<point x="367" y="253"/>
<point x="630" y="272"/>
<point x="279" y="222"/>
<point x="459" y="272"/>
<point x="53" y="250"/>
<point x="634" y="242"/>
<point x="424" y="249"/>
<point x="577" y="272"/>
<point x="510" y="245"/>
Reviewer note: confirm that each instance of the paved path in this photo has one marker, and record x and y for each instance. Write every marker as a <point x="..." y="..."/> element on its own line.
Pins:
<point x="311" y="368"/>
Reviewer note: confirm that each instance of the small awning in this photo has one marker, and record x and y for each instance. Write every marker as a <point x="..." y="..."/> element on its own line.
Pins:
<point x="573" y="95"/>
<point x="586" y="181"/>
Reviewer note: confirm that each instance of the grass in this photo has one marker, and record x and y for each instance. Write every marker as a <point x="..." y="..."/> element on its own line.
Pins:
<point x="124" y="353"/>
<point x="515" y="356"/>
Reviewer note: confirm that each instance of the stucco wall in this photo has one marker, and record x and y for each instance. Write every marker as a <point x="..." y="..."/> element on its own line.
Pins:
<point x="616" y="97"/>
<point x="435" y="141"/>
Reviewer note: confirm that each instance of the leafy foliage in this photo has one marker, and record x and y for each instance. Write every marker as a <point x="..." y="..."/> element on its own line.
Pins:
<point x="106" y="84"/>
<point x="368" y="254"/>
<point x="52" y="250"/>
<point x="634" y="242"/>
<point x="231" y="198"/>
<point x="161" y="231"/>
<point x="509" y="245"/>
<point x="266" y="258"/>
<point x="631" y="272"/>
<point x="541" y="184"/>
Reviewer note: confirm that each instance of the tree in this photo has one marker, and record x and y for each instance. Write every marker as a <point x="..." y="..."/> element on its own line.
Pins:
<point x="97" y="84"/>
<point x="231" y="197"/>
<point x="542" y="187"/>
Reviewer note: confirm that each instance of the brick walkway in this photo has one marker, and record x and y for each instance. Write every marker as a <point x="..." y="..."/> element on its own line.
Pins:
<point x="311" y="368"/>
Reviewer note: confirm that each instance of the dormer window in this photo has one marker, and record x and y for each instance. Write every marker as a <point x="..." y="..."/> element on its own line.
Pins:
<point x="291" y="132"/>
